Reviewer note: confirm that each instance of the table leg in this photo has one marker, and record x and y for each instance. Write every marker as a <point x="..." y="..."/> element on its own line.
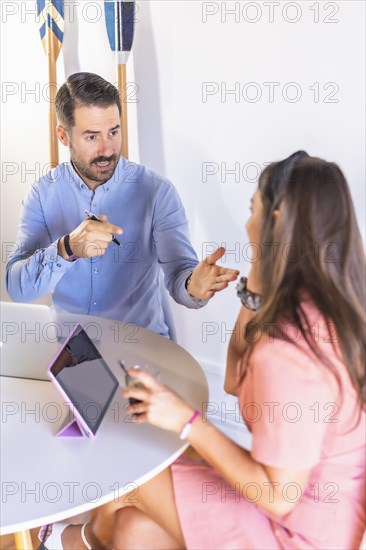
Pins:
<point x="23" y="540"/>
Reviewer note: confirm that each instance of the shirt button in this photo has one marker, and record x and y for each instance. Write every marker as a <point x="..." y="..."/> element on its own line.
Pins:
<point x="94" y="204"/>
<point x="94" y="303"/>
<point x="83" y="186"/>
<point x="52" y="258"/>
<point x="107" y="188"/>
<point x="58" y="265"/>
<point x="96" y="270"/>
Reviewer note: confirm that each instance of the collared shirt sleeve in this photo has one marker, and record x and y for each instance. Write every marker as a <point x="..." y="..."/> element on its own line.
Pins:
<point x="175" y="252"/>
<point x="34" y="267"/>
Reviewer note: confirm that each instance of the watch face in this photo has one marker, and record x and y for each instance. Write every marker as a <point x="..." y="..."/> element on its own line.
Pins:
<point x="249" y="299"/>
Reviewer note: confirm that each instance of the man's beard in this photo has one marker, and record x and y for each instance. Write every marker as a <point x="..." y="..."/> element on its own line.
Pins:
<point x="92" y="172"/>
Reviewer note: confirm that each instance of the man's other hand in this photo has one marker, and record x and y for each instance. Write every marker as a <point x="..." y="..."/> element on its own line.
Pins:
<point x="209" y="278"/>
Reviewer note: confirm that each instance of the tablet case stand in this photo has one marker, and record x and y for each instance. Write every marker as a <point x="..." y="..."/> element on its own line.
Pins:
<point x="71" y="428"/>
<point x="78" y="348"/>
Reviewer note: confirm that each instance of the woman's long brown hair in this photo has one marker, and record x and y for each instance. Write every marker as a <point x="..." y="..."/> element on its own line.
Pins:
<point x="314" y="246"/>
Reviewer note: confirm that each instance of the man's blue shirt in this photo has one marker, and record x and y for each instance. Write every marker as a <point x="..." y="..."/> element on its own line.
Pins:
<point x="122" y="284"/>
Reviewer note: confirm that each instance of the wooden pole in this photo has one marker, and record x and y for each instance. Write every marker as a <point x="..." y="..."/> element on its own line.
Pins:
<point x="122" y="87"/>
<point x="52" y="79"/>
<point x="23" y="540"/>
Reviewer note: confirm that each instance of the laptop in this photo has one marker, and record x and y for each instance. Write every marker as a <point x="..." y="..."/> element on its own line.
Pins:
<point x="28" y="340"/>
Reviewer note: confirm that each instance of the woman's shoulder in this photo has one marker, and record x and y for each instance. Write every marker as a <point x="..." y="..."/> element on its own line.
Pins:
<point x="282" y="348"/>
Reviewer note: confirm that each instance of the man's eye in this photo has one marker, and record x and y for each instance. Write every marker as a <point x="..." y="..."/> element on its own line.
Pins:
<point x="114" y="133"/>
<point x="90" y="138"/>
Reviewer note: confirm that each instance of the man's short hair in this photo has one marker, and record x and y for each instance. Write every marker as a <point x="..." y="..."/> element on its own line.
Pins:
<point x="84" y="89"/>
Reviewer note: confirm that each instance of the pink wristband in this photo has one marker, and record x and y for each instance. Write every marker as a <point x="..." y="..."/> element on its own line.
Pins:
<point x="187" y="427"/>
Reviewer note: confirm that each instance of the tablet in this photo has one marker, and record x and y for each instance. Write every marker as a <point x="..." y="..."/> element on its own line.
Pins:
<point x="84" y="380"/>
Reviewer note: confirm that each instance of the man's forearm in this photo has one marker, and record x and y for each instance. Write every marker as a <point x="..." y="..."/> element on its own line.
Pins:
<point x="30" y="278"/>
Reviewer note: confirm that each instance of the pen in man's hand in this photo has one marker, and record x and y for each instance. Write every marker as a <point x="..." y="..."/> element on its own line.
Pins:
<point x="92" y="216"/>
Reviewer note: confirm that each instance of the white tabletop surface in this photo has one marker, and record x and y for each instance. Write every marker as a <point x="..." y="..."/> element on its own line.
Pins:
<point x="45" y="478"/>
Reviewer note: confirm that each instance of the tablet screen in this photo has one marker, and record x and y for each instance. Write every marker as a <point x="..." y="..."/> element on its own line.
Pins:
<point x="85" y="378"/>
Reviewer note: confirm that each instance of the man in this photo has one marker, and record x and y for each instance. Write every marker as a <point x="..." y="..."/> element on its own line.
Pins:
<point x="60" y="250"/>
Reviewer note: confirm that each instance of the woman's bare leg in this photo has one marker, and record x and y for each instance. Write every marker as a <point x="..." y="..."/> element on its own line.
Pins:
<point x="155" y="499"/>
<point x="134" y="530"/>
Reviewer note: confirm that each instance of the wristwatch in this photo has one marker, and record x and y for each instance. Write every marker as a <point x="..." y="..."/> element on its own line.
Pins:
<point x="197" y="301"/>
<point x="249" y="299"/>
<point x="188" y="280"/>
<point x="68" y="249"/>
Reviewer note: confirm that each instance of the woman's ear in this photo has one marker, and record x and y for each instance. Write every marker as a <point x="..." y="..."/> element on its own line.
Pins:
<point x="62" y="135"/>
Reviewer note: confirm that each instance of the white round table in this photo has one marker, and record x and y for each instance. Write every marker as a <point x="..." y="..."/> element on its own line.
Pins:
<point x="46" y="478"/>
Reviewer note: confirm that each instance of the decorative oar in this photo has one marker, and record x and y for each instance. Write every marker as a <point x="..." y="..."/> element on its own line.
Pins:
<point x="120" y="23"/>
<point x="51" y="19"/>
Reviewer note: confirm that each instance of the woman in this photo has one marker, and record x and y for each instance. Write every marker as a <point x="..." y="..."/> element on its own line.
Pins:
<point x="298" y="371"/>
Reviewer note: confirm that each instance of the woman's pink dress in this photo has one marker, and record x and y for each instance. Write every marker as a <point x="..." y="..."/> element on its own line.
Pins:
<point x="291" y="404"/>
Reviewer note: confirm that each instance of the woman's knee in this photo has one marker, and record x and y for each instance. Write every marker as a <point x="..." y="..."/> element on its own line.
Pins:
<point x="135" y="530"/>
<point x="129" y="516"/>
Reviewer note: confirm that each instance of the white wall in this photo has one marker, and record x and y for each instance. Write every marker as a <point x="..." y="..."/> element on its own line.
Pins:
<point x="180" y="46"/>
